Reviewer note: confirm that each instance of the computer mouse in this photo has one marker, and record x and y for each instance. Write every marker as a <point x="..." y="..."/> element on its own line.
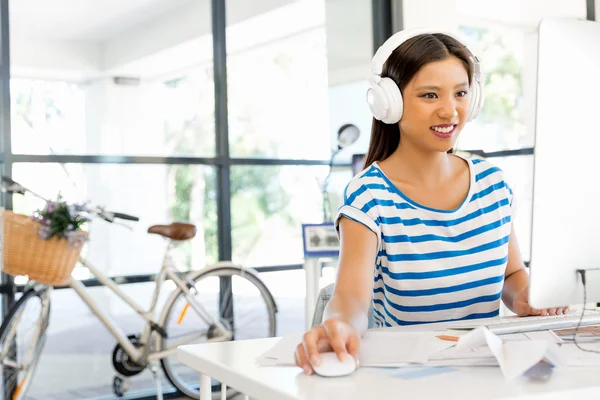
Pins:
<point x="330" y="365"/>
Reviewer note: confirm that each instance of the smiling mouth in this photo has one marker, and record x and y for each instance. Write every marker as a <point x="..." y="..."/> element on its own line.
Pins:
<point x="443" y="131"/>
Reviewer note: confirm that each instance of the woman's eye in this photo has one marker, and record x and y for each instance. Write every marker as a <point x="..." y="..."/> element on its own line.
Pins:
<point x="462" y="93"/>
<point x="429" y="95"/>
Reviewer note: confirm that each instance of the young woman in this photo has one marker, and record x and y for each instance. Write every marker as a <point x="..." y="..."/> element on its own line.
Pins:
<point x="426" y="236"/>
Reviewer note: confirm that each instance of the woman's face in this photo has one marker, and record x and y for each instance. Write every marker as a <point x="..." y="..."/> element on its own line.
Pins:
<point x="436" y="102"/>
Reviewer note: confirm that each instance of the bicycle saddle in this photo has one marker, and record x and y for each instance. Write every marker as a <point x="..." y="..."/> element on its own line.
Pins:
<point x="175" y="231"/>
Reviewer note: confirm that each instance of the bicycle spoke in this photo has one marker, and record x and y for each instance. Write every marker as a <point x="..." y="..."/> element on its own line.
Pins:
<point x="250" y="312"/>
<point x="22" y="338"/>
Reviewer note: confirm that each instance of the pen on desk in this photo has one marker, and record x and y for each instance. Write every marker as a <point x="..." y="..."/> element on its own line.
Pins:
<point x="448" y="337"/>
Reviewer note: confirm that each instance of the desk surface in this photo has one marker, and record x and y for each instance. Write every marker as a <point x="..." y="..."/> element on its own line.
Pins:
<point x="234" y="363"/>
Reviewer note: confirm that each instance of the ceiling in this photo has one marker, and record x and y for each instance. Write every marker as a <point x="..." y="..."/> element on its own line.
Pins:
<point x="84" y="20"/>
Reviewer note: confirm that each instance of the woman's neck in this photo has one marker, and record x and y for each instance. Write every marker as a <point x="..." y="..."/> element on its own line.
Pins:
<point x="412" y="166"/>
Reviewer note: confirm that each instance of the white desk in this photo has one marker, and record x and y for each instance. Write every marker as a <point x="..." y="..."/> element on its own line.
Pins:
<point x="233" y="363"/>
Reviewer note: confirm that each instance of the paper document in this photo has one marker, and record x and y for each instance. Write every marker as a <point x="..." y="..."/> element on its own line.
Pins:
<point x="283" y="351"/>
<point x="515" y="357"/>
<point x="378" y="348"/>
<point x="381" y="348"/>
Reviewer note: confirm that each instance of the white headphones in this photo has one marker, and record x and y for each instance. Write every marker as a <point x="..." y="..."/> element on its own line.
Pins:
<point x="384" y="97"/>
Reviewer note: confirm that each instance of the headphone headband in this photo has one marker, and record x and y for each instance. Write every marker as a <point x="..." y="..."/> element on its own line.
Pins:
<point x="387" y="48"/>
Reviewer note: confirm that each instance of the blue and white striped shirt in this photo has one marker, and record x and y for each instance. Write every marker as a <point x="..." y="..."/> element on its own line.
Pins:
<point x="434" y="265"/>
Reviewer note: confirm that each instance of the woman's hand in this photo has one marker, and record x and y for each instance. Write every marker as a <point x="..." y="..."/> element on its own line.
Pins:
<point x="522" y="308"/>
<point x="333" y="334"/>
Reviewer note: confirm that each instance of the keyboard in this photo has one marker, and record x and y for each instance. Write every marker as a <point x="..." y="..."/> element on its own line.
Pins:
<point x="502" y="326"/>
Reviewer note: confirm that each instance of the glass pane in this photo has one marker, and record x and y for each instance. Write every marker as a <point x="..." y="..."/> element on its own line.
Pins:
<point x="349" y="53"/>
<point x="519" y="175"/>
<point x="134" y="78"/>
<point x="503" y="35"/>
<point x="289" y="291"/>
<point x="277" y="80"/>
<point x="157" y="194"/>
<point x="268" y="206"/>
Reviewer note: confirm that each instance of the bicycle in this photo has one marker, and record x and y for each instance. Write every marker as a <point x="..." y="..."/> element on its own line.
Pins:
<point x="192" y="301"/>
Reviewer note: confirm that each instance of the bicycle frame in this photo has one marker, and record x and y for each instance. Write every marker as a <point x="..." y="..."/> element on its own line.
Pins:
<point x="167" y="272"/>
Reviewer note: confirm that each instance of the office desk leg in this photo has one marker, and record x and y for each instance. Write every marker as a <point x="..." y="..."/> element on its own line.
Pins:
<point x="312" y="273"/>
<point x="205" y="387"/>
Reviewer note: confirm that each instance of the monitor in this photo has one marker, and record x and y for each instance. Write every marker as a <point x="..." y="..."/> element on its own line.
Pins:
<point x="358" y="163"/>
<point x="565" y="232"/>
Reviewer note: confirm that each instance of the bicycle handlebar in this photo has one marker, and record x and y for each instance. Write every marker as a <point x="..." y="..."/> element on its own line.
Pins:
<point x="125" y="216"/>
<point x="10" y="186"/>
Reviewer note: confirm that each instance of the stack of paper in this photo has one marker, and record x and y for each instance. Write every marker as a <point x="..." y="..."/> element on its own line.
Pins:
<point x="377" y="349"/>
<point x="514" y="357"/>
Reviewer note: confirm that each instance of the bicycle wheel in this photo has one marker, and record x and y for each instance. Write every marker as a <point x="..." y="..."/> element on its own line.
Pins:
<point x="253" y="317"/>
<point x="22" y="337"/>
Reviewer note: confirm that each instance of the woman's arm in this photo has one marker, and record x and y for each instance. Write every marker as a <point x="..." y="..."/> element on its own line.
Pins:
<point x="353" y="291"/>
<point x="515" y="293"/>
<point x="346" y="314"/>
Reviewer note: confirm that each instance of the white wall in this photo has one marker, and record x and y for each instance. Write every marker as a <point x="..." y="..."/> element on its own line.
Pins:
<point x="348" y="25"/>
<point x="597" y="3"/>
<point x="123" y="119"/>
<point x="179" y="26"/>
<point x="53" y="59"/>
<point x="348" y="105"/>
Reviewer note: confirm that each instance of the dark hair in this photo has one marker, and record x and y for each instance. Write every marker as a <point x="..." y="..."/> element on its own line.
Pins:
<point x="402" y="65"/>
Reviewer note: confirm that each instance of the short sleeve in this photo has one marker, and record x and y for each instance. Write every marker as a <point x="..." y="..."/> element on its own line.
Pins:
<point x="361" y="206"/>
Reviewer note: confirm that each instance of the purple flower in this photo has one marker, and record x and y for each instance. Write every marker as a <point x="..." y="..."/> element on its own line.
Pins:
<point x="50" y="206"/>
<point x="62" y="220"/>
<point x="44" y="232"/>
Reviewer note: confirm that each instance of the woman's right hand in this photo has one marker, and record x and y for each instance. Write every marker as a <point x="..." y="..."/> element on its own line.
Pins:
<point x="332" y="334"/>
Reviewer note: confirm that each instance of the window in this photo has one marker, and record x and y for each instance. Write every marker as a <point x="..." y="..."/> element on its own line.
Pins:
<point x="114" y="105"/>
<point x="296" y="73"/>
<point x="268" y="206"/>
<point x="157" y="194"/>
<point x="134" y="80"/>
<point x="277" y="85"/>
<point x="117" y="105"/>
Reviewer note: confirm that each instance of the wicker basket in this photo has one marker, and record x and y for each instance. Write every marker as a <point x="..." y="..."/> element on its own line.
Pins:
<point x="25" y="253"/>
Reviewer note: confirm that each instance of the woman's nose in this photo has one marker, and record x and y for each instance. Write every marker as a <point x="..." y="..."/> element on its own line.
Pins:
<point x="448" y="110"/>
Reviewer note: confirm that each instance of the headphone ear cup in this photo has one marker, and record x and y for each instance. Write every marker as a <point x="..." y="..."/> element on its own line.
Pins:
<point x="377" y="101"/>
<point x="394" y="101"/>
<point x="473" y="101"/>
<point x="477" y="98"/>
<point x="481" y="97"/>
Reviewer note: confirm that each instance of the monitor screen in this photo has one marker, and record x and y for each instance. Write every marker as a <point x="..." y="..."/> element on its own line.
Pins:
<point x="358" y="163"/>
